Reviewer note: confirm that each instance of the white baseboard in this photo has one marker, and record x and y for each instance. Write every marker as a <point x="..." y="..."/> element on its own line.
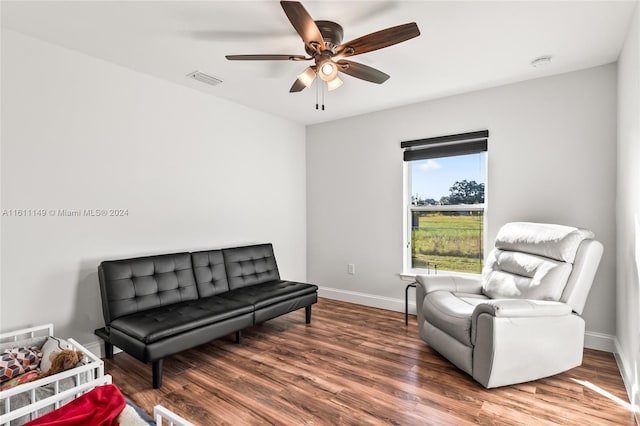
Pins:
<point x="626" y="372"/>
<point x="599" y="341"/>
<point x="388" y="303"/>
<point x="592" y="339"/>
<point x="97" y="348"/>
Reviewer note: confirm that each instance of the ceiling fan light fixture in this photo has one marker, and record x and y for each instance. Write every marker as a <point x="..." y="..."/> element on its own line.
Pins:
<point x="334" y="84"/>
<point x="328" y="70"/>
<point x="307" y="77"/>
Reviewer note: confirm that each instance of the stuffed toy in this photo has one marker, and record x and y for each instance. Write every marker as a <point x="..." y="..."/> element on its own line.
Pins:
<point x="63" y="360"/>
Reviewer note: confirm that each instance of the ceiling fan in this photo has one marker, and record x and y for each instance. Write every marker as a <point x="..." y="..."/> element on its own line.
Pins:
<point x="323" y="44"/>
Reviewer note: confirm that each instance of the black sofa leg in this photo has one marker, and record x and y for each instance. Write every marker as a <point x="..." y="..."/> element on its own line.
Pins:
<point x="238" y="336"/>
<point x="108" y="350"/>
<point x="307" y="314"/>
<point x="156" y="368"/>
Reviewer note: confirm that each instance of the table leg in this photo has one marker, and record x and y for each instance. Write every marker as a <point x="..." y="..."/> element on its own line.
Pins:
<point x="406" y="302"/>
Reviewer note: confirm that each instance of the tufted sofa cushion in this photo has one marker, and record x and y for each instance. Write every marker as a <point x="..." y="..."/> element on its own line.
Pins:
<point x="270" y="293"/>
<point x="250" y="265"/>
<point x="166" y="321"/>
<point x="210" y="274"/>
<point x="135" y="285"/>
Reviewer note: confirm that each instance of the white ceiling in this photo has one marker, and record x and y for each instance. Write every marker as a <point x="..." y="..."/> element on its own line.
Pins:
<point x="464" y="46"/>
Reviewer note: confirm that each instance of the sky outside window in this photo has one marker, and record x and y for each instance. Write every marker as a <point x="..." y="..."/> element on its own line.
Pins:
<point x="432" y="178"/>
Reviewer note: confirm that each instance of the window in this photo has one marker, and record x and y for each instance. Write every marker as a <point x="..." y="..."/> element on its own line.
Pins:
<point x="445" y="195"/>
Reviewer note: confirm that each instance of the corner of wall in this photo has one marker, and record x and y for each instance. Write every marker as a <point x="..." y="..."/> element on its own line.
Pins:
<point x="627" y="340"/>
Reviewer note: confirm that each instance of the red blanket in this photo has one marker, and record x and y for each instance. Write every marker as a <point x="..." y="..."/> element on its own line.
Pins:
<point x="100" y="407"/>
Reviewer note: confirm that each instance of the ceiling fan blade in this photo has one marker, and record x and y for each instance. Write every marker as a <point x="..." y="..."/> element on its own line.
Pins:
<point x="304" y="24"/>
<point x="297" y="86"/>
<point x="363" y="72"/>
<point x="378" y="40"/>
<point x="267" y="58"/>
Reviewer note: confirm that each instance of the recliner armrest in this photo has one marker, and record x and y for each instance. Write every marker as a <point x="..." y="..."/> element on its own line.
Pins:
<point x="524" y="309"/>
<point x="458" y="284"/>
<point x="518" y="308"/>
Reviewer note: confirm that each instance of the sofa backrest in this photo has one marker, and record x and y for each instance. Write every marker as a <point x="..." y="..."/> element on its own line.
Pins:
<point x="210" y="273"/>
<point x="133" y="285"/>
<point x="250" y="265"/>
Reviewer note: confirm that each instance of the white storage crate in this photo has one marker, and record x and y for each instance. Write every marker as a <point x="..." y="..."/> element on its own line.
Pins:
<point x="35" y="398"/>
<point x="28" y="401"/>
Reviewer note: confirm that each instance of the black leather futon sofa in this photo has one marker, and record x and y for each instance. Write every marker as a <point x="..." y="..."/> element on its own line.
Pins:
<point x="157" y="306"/>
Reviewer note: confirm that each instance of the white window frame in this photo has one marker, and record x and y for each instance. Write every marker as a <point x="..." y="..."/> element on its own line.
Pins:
<point x="409" y="273"/>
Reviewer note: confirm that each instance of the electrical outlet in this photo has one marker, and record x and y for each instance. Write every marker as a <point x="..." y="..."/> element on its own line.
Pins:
<point x="351" y="269"/>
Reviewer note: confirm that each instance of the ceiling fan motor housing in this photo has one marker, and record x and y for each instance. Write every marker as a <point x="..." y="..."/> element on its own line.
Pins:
<point x="332" y="34"/>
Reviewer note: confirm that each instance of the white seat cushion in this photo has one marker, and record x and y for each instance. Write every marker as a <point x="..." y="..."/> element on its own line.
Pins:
<point x="451" y="312"/>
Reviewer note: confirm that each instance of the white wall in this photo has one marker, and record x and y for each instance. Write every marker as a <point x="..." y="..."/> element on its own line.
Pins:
<point x="551" y="158"/>
<point x="194" y="172"/>
<point x="628" y="212"/>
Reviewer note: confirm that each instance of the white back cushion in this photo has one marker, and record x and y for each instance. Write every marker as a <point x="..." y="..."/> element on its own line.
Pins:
<point x="557" y="242"/>
<point x="509" y="274"/>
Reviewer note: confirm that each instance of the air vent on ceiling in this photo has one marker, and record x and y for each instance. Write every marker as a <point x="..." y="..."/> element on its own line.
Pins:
<point x="205" y="78"/>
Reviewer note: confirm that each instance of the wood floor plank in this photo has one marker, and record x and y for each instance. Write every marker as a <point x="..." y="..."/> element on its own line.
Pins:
<point x="357" y="365"/>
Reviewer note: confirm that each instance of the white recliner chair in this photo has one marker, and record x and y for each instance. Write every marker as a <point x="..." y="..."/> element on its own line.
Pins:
<point x="519" y="321"/>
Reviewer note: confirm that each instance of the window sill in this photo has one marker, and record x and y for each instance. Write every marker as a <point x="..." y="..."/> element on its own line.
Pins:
<point x="411" y="275"/>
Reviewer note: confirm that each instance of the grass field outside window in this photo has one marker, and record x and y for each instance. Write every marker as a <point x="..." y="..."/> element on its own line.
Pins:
<point x="447" y="238"/>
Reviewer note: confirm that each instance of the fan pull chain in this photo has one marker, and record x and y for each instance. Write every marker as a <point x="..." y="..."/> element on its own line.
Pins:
<point x="319" y="94"/>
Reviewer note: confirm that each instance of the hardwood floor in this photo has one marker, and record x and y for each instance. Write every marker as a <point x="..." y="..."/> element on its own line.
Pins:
<point x="359" y="365"/>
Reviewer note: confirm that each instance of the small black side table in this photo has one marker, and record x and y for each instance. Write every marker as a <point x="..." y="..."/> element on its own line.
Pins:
<point x="406" y="302"/>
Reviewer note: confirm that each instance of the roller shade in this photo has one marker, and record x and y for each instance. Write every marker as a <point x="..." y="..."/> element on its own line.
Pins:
<point x="445" y="146"/>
